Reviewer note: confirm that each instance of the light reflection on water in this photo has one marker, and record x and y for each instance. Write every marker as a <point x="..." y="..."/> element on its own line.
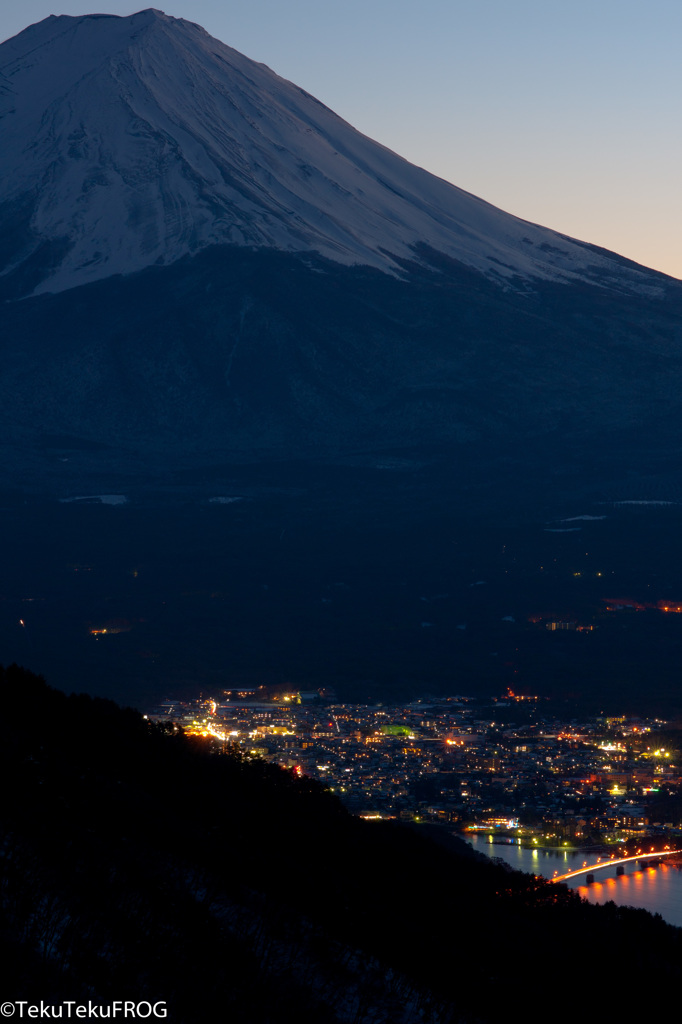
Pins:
<point x="656" y="889"/>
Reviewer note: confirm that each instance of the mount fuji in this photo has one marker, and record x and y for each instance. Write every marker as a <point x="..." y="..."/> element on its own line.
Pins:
<point x="131" y="142"/>
<point x="201" y="264"/>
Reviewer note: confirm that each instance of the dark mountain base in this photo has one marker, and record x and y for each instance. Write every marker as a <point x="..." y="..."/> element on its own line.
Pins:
<point x="389" y="440"/>
<point x="174" y="376"/>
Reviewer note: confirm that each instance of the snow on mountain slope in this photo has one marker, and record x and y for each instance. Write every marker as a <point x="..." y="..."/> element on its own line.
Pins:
<point x="128" y="142"/>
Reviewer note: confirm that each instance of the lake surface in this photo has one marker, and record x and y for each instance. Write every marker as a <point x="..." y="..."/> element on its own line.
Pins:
<point x="658" y="890"/>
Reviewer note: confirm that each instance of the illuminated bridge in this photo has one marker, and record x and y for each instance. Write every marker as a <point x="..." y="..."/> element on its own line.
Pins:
<point x="652" y="855"/>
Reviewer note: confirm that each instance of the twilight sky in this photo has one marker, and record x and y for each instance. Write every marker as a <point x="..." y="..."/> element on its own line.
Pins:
<point x="565" y="112"/>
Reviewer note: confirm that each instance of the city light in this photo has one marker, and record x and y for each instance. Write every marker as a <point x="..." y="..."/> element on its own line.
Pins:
<point x="455" y="763"/>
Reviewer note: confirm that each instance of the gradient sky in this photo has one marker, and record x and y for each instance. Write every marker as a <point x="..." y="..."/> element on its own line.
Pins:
<point x="565" y="112"/>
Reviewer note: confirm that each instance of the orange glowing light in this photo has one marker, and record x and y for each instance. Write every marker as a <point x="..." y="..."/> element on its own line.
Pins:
<point x="592" y="867"/>
<point x="620" y="603"/>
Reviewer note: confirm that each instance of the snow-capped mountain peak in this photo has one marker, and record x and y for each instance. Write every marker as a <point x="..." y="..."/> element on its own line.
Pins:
<point x="129" y="142"/>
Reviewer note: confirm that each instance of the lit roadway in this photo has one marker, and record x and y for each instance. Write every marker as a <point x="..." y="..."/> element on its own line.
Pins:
<point x="640" y="855"/>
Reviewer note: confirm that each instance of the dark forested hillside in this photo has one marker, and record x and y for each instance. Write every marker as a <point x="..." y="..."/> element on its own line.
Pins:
<point x="137" y="864"/>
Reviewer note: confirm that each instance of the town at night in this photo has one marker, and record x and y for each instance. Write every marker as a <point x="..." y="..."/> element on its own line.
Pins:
<point x="594" y="783"/>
